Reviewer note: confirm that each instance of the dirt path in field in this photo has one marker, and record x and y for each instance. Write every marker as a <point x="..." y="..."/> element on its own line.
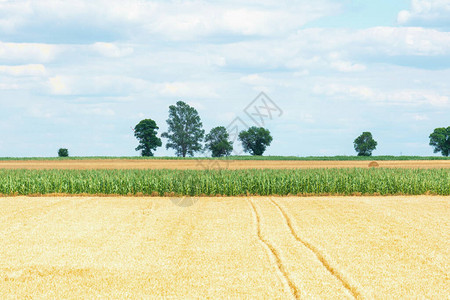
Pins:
<point x="213" y="164"/>
<point x="259" y="247"/>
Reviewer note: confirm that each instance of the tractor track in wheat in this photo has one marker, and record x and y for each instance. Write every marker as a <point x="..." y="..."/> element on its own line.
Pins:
<point x="294" y="290"/>
<point x="333" y="270"/>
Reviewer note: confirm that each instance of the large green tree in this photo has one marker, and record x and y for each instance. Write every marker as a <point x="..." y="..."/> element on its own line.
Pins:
<point x="146" y="132"/>
<point x="255" y="140"/>
<point x="217" y="142"/>
<point x="365" y="144"/>
<point x="440" y="140"/>
<point x="185" y="131"/>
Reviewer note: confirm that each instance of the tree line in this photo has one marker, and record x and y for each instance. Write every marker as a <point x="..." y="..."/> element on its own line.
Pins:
<point x="185" y="134"/>
<point x="439" y="140"/>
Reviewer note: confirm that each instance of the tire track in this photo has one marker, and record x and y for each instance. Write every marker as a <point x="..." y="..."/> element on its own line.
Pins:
<point x="355" y="293"/>
<point x="294" y="290"/>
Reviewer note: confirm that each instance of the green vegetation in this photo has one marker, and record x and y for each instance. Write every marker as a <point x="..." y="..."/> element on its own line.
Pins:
<point x="255" y="140"/>
<point x="217" y="141"/>
<point x="63" y="152"/>
<point x="440" y="140"/>
<point x="185" y="130"/>
<point x="227" y="182"/>
<point x="365" y="144"/>
<point x="146" y="132"/>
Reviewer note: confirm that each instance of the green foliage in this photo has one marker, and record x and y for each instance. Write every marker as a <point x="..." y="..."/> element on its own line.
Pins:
<point x="63" y="152"/>
<point x="255" y="140"/>
<point x="217" y="142"/>
<point x="227" y="182"/>
<point x="146" y="132"/>
<point x="185" y="130"/>
<point x="440" y="140"/>
<point x="365" y="144"/>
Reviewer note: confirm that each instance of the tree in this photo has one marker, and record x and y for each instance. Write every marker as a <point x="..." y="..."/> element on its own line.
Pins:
<point x="255" y="140"/>
<point x="63" y="152"/>
<point x="440" y="140"/>
<point x="365" y="144"/>
<point x="146" y="132"/>
<point x="185" y="130"/>
<point x="217" y="142"/>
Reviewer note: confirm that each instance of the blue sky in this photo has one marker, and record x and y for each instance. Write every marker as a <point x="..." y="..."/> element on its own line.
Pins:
<point x="79" y="74"/>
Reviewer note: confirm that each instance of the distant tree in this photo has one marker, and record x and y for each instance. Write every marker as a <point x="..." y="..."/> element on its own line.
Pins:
<point x="185" y="130"/>
<point x="217" y="142"/>
<point x="146" y="132"/>
<point x="365" y="144"/>
<point x="440" y="140"/>
<point x="255" y="140"/>
<point x="63" y="152"/>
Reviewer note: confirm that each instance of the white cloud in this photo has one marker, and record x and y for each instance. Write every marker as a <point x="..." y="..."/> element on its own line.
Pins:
<point x="375" y="41"/>
<point x="426" y="13"/>
<point x="346" y="66"/>
<point x="169" y="19"/>
<point x="215" y="60"/>
<point x="120" y="61"/>
<point x="24" y="70"/>
<point x="111" y="50"/>
<point x="393" y="97"/>
<point x="420" y="117"/>
<point x="9" y="86"/>
<point x="95" y="85"/>
<point x="344" y="50"/>
<point x="59" y="86"/>
<point x="96" y="109"/>
<point x="436" y="99"/>
<point x="186" y="89"/>
<point x="407" y="41"/>
<point x="27" y="52"/>
<point x="256" y="79"/>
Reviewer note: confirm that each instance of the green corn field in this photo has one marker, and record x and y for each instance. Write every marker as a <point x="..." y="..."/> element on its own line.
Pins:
<point x="227" y="182"/>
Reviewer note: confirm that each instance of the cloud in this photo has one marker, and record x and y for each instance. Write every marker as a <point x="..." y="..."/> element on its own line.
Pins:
<point x="87" y="63"/>
<point x="9" y="86"/>
<point x="433" y="13"/>
<point x="111" y="50"/>
<point x="16" y="53"/>
<point x="186" y="89"/>
<point x="420" y="117"/>
<point x="256" y="79"/>
<point x="347" y="66"/>
<point x="59" y="86"/>
<point x="94" y="86"/>
<point x="106" y="20"/>
<point x="343" y="50"/>
<point x="24" y="70"/>
<point x="394" y="97"/>
<point x="389" y="41"/>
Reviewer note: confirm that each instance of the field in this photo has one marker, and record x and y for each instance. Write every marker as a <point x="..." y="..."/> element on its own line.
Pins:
<point x="254" y="247"/>
<point x="224" y="228"/>
<point x="237" y="157"/>
<point x="356" y="181"/>
<point x="230" y="164"/>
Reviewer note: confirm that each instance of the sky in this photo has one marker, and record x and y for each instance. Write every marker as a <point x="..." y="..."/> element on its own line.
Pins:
<point x="80" y="74"/>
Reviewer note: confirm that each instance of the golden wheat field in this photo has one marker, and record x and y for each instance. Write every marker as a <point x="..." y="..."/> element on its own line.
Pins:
<point x="272" y="248"/>
<point x="199" y="164"/>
